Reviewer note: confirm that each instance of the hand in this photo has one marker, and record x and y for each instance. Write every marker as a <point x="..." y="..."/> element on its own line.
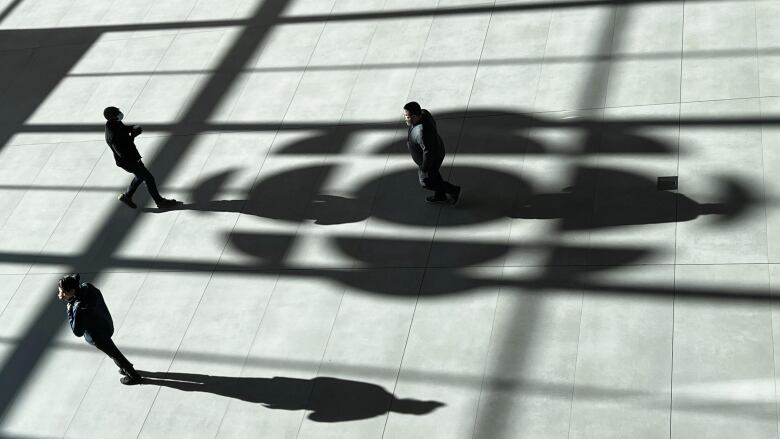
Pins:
<point x="137" y="130"/>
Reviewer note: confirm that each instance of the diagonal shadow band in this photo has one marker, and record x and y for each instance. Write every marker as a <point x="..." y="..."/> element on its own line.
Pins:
<point x="23" y="358"/>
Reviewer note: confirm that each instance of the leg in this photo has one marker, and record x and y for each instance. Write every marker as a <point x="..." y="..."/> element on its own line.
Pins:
<point x="141" y="174"/>
<point x="109" y="348"/>
<point x="433" y="180"/>
<point x="131" y="376"/>
<point x="144" y="174"/>
<point x="133" y="186"/>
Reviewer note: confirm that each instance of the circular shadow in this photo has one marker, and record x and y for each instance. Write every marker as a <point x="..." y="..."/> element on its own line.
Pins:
<point x="487" y="194"/>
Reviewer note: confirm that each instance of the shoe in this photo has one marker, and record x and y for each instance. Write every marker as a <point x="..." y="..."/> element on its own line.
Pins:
<point x="167" y="203"/>
<point x="455" y="196"/>
<point x="122" y="372"/>
<point x="131" y="378"/>
<point x="433" y="199"/>
<point x="127" y="200"/>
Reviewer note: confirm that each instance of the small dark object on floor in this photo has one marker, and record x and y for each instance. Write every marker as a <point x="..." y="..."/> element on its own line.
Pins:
<point x="667" y="183"/>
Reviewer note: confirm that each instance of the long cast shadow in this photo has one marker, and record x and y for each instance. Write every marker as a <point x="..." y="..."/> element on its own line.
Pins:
<point x="47" y="321"/>
<point x="623" y="198"/>
<point x="328" y="399"/>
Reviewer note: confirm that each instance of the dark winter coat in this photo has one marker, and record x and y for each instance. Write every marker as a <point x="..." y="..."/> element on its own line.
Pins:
<point x="119" y="138"/>
<point x="425" y="144"/>
<point x="88" y="315"/>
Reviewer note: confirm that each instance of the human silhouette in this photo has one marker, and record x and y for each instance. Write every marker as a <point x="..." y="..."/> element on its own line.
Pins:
<point x="327" y="399"/>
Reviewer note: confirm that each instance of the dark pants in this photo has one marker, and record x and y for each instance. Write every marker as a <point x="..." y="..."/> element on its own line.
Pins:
<point x="109" y="348"/>
<point x="141" y="175"/>
<point x="433" y="181"/>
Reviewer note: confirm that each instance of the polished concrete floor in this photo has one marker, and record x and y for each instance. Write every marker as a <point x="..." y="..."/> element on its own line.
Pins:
<point x="306" y="290"/>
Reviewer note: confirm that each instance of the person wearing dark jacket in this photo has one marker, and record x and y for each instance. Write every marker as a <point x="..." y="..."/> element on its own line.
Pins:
<point x="120" y="138"/>
<point x="427" y="150"/>
<point x="89" y="317"/>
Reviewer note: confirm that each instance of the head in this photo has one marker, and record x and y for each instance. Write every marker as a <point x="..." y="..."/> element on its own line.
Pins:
<point x="67" y="287"/>
<point x="113" y="113"/>
<point x="412" y="113"/>
<point x="414" y="406"/>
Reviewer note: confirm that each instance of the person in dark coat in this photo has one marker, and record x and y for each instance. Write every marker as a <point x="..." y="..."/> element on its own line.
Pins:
<point x="427" y="149"/>
<point x="120" y="138"/>
<point x="89" y="317"/>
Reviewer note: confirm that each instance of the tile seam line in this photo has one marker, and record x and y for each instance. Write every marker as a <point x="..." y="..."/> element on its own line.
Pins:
<point x="388" y="121"/>
<point x="62" y="215"/>
<point x="486" y="363"/>
<point x="203" y="293"/>
<point x="300" y="226"/>
<point x="211" y="275"/>
<point x="216" y="263"/>
<point x="340" y="123"/>
<point x="576" y="358"/>
<point x="249" y="351"/>
<point x="432" y="19"/>
<point x="244" y="87"/>
<point x="541" y="63"/>
<point x="274" y="271"/>
<point x="54" y="229"/>
<point x="475" y="420"/>
<point x="451" y="161"/>
<point x="424" y="269"/>
<point x="103" y="358"/>
<point x="29" y="186"/>
<point x="676" y="224"/>
<point x="146" y="273"/>
<point x="766" y="222"/>
<point x="175" y="351"/>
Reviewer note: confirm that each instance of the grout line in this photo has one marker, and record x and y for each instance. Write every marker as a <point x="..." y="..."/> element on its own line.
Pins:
<point x="403" y="351"/>
<point x="766" y="224"/>
<point x="264" y="271"/>
<point x="676" y="223"/>
<point x="176" y="351"/>
<point x="103" y="357"/>
<point x="320" y="362"/>
<point x="492" y="343"/>
<point x="249" y="351"/>
<point x="391" y="123"/>
<point x="425" y="268"/>
<point x="576" y="358"/>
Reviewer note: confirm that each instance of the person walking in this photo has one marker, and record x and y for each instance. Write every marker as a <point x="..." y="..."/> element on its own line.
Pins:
<point x="89" y="317"/>
<point x="427" y="150"/>
<point x="120" y="138"/>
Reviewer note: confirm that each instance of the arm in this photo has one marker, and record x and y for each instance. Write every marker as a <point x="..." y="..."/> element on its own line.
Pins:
<point x="427" y="141"/>
<point x="76" y="319"/>
<point x="118" y="137"/>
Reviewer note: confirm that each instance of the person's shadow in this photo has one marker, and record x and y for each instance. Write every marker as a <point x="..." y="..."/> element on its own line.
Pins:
<point x="328" y="399"/>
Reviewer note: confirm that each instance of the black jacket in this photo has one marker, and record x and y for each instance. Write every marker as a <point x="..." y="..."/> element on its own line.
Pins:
<point x="119" y="138"/>
<point x="88" y="314"/>
<point x="425" y="144"/>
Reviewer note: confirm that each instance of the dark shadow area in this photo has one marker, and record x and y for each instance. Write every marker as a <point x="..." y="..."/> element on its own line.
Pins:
<point x="497" y="132"/>
<point x="295" y="196"/>
<point x="328" y="399"/>
<point x="621" y="198"/>
<point x="47" y="321"/>
<point x="629" y="199"/>
<point x="30" y="76"/>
